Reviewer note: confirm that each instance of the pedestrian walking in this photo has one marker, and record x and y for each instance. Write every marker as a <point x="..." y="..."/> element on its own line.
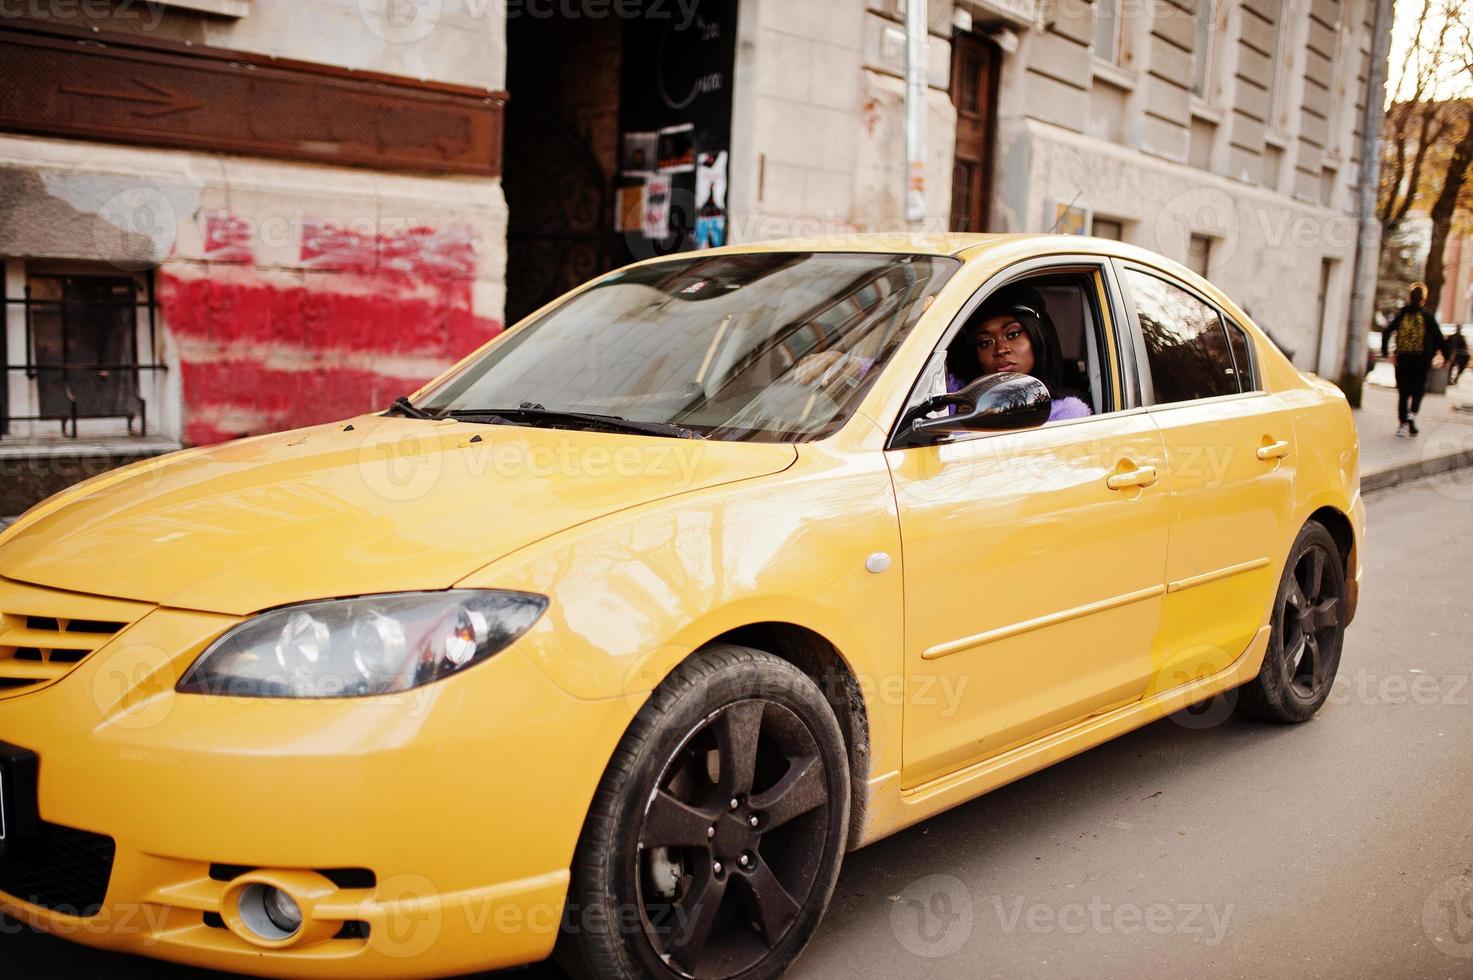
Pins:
<point x="1419" y="346"/>
<point x="1458" y="345"/>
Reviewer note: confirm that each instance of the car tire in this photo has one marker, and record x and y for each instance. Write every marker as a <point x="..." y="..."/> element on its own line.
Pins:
<point x="714" y="841"/>
<point x="1308" y="631"/>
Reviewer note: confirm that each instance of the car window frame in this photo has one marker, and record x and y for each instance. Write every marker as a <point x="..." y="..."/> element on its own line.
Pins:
<point x="1121" y="389"/>
<point x="1147" y="385"/>
<point x="1255" y="379"/>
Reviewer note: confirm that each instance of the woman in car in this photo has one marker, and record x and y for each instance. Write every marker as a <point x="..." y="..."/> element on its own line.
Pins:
<point x="1012" y="332"/>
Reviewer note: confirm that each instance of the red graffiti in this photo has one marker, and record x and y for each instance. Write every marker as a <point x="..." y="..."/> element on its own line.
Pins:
<point x="420" y="252"/>
<point x="286" y="399"/>
<point x="228" y="238"/>
<point x="262" y="350"/>
<point x="438" y="322"/>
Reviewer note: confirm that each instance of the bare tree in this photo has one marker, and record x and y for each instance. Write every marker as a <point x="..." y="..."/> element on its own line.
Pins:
<point x="1445" y="205"/>
<point x="1415" y="123"/>
<point x="1452" y="196"/>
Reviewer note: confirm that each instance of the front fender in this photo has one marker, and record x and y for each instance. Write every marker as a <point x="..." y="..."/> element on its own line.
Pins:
<point x="634" y="594"/>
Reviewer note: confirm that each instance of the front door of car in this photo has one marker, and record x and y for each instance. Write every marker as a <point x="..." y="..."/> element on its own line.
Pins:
<point x="1230" y="449"/>
<point x="1033" y="568"/>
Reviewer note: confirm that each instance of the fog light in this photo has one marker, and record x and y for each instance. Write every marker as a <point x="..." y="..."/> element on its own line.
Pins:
<point x="269" y="912"/>
<point x="282" y="911"/>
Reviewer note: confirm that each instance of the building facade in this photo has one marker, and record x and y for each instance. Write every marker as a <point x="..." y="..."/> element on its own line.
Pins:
<point x="225" y="217"/>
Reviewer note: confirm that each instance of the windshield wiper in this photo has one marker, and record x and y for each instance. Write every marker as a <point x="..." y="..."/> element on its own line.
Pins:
<point x="536" y="413"/>
<point x="403" y="406"/>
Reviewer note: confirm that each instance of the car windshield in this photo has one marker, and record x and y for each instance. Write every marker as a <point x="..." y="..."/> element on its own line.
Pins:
<point x="765" y="346"/>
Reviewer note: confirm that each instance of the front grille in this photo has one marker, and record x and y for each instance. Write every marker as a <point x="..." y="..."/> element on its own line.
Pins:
<point x="63" y="870"/>
<point x="45" y="633"/>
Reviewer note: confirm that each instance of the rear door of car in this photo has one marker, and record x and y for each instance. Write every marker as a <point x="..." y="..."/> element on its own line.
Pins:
<point x="1231" y="461"/>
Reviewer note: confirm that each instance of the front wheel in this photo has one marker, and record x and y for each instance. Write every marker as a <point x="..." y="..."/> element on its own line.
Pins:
<point x="715" y="838"/>
<point x="1308" y="631"/>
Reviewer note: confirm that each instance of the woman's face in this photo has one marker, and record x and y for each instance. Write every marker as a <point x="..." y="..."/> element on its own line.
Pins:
<point x="1003" y="345"/>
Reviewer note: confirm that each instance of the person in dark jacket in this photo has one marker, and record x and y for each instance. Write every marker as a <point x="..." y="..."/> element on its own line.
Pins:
<point x="1419" y="342"/>
<point x="1457" y="344"/>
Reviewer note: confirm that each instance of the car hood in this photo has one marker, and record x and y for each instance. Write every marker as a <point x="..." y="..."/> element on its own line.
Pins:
<point x="373" y="505"/>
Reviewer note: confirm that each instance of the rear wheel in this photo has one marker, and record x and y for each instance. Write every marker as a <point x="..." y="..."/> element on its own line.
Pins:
<point x="715" y="839"/>
<point x="1308" y="630"/>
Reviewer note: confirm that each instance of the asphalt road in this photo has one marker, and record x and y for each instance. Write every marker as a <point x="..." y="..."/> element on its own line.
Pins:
<point x="1203" y="846"/>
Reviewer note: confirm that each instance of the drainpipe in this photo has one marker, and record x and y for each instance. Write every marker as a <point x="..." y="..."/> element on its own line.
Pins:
<point x="1367" y="252"/>
<point x="915" y="112"/>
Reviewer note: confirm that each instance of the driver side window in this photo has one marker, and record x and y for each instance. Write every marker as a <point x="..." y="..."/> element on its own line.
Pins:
<point x="1048" y="326"/>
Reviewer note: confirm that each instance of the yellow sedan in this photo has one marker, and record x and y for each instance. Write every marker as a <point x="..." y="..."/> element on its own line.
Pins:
<point x="612" y="641"/>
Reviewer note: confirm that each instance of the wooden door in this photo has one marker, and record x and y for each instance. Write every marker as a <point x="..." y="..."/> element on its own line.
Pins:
<point x="974" y="70"/>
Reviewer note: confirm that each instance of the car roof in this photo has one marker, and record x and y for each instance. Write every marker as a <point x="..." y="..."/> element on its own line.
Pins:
<point x="963" y="245"/>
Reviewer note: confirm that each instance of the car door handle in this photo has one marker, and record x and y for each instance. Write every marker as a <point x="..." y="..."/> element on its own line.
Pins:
<point x="1142" y="476"/>
<point x="1277" y="450"/>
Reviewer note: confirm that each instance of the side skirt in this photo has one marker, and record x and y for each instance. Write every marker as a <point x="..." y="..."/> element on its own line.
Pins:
<point x="892" y="809"/>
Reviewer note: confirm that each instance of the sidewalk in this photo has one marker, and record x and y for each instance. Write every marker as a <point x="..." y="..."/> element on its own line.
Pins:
<point x="1446" y="442"/>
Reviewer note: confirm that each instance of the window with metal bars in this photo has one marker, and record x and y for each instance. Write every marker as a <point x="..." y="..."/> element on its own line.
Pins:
<point x="76" y="346"/>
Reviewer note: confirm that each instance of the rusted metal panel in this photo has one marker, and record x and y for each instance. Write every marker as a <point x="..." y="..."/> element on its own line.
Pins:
<point x="116" y="89"/>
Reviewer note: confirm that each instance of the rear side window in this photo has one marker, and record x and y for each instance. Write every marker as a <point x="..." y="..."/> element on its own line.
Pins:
<point x="1186" y="345"/>
<point x="1242" y="359"/>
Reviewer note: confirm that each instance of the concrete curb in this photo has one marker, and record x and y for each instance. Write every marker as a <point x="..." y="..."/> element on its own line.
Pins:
<point x="1415" y="470"/>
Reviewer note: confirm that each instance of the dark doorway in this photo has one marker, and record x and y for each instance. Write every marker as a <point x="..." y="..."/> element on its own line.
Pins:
<point x="562" y="150"/>
<point x="974" y="71"/>
<point x="618" y="132"/>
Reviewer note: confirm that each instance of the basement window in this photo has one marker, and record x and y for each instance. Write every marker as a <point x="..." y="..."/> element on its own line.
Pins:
<point x="78" y="346"/>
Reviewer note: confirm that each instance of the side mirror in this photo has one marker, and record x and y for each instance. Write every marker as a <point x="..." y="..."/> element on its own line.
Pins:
<point x="992" y="403"/>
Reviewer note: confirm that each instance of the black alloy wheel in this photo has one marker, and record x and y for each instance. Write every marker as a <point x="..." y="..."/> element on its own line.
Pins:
<point x="1308" y="632"/>
<point x="715" y="839"/>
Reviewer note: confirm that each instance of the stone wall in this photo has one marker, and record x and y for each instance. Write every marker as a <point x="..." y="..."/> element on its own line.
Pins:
<point x="288" y="293"/>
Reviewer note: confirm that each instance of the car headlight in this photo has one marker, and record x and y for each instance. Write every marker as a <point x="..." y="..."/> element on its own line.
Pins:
<point x="346" y="648"/>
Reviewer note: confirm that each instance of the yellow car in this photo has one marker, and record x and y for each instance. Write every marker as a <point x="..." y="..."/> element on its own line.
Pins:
<point x="613" y="640"/>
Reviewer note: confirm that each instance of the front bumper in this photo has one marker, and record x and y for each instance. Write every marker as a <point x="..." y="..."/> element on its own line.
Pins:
<point x="447" y="816"/>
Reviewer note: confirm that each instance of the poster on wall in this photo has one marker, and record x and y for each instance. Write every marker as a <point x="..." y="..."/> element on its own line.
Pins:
<point x="677" y="149"/>
<point x="711" y="194"/>
<point x="1068" y="218"/>
<point x="657" y="192"/>
<point x="629" y="207"/>
<point x="676" y="85"/>
<point x="639" y="153"/>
